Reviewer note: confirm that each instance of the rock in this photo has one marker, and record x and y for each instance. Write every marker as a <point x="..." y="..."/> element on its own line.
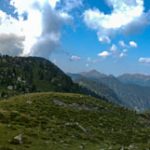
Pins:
<point x="80" y="127"/>
<point x="75" y="106"/>
<point x="122" y="148"/>
<point x="18" y="140"/>
<point x="77" y="125"/>
<point x="59" y="103"/>
<point x="81" y="147"/>
<point x="10" y="87"/>
<point x="19" y="79"/>
<point x="29" y="102"/>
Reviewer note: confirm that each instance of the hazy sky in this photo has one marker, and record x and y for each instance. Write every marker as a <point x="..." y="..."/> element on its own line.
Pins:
<point x="112" y="36"/>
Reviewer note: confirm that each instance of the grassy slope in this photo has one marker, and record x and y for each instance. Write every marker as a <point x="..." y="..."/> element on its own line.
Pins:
<point x="56" y="121"/>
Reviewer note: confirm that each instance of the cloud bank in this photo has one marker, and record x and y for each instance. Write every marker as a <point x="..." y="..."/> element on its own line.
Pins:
<point x="124" y="16"/>
<point x="144" y="60"/>
<point x="39" y="32"/>
<point x="75" y="58"/>
<point x="11" y="44"/>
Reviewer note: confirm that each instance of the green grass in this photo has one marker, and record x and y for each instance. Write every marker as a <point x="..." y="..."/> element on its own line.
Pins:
<point x="56" y="121"/>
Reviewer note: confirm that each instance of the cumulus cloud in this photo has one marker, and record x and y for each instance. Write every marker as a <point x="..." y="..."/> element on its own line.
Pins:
<point x="119" y="49"/>
<point x="90" y="60"/>
<point x="144" y="60"/>
<point x="113" y="48"/>
<point x="104" y="39"/>
<point x="133" y="44"/>
<point x="75" y="58"/>
<point x="42" y="27"/>
<point x="11" y="44"/>
<point x="122" y="44"/>
<point x="114" y="51"/>
<point x="122" y="54"/>
<point x="52" y="22"/>
<point x="53" y="3"/>
<point x="124" y="15"/>
<point x="71" y="4"/>
<point x="104" y="54"/>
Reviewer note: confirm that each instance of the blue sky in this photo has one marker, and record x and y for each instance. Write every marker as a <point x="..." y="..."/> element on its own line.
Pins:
<point x="79" y="35"/>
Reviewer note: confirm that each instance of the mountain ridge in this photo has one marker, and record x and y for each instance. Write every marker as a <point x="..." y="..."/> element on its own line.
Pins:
<point x="139" y="79"/>
<point x="20" y="75"/>
<point x="131" y="95"/>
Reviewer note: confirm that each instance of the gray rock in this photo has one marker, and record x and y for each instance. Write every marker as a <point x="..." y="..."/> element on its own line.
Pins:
<point x="17" y="140"/>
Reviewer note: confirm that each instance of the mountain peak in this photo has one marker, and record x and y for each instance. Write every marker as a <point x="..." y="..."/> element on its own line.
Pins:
<point x="94" y="71"/>
<point x="93" y="74"/>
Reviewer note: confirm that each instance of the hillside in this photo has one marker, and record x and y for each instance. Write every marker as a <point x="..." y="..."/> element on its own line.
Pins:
<point x="96" y="86"/>
<point x="69" y="122"/>
<point x="133" y="96"/>
<point x="33" y="74"/>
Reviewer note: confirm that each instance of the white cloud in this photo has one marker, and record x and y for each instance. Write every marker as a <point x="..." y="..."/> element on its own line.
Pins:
<point x="104" y="39"/>
<point x="71" y="4"/>
<point x="113" y="52"/>
<point x="75" y="58"/>
<point x="11" y="44"/>
<point x="92" y="61"/>
<point x="42" y="27"/>
<point x="124" y="14"/>
<point x="113" y="48"/>
<point x="144" y="60"/>
<point x="53" y="3"/>
<point x="133" y="44"/>
<point x="122" y="54"/>
<point x="104" y="54"/>
<point x="122" y="44"/>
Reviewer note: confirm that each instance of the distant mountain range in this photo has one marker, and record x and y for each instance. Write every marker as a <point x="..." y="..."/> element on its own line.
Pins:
<point x="130" y="90"/>
<point x="138" y="79"/>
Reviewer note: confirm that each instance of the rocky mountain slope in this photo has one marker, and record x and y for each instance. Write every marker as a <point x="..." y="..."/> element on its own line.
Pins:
<point x="131" y="95"/>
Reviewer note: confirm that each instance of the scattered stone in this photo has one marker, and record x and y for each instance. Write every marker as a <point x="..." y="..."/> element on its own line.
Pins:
<point x="19" y="79"/>
<point x="9" y="125"/>
<point x="17" y="140"/>
<point x="122" y="148"/>
<point x="131" y="147"/>
<point x="10" y="87"/>
<point x="81" y="147"/>
<point x="59" y="103"/>
<point x="29" y="102"/>
<point x="75" y="105"/>
<point x="76" y="124"/>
